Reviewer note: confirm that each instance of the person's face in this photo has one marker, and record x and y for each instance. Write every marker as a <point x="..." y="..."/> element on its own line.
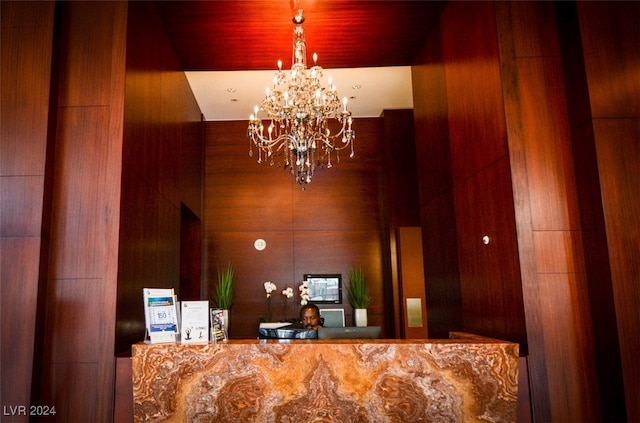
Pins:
<point x="310" y="318"/>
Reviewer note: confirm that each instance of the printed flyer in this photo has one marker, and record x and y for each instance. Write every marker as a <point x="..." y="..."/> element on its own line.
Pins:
<point x="195" y="322"/>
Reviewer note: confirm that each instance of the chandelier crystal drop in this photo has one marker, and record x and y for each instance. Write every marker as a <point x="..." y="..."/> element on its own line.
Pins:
<point x="299" y="111"/>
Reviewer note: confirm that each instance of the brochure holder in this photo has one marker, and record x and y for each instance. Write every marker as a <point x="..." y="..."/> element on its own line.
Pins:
<point x="218" y="332"/>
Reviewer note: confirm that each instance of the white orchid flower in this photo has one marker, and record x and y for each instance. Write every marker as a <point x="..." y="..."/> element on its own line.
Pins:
<point x="288" y="292"/>
<point x="269" y="287"/>
<point x="304" y="293"/>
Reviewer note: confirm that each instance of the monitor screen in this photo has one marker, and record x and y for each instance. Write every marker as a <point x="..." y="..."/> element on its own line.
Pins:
<point x="286" y="333"/>
<point x="324" y="289"/>
<point x="333" y="317"/>
<point x="351" y="332"/>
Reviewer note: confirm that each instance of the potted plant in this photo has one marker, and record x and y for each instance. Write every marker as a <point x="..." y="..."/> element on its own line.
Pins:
<point x="359" y="295"/>
<point x="224" y="292"/>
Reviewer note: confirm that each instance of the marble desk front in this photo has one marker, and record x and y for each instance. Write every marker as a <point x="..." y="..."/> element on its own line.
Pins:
<point x="453" y="380"/>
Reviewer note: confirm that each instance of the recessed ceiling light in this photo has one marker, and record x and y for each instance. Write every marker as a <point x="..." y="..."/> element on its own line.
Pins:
<point x="231" y="90"/>
<point x="357" y="87"/>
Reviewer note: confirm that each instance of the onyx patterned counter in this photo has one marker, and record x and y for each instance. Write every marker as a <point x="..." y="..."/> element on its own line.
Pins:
<point x="454" y="380"/>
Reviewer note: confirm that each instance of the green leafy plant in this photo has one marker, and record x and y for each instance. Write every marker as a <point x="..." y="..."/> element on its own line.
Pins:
<point x="358" y="290"/>
<point x="224" y="290"/>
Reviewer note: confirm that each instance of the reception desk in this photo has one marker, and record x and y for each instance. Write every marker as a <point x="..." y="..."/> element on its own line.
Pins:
<point x="465" y="379"/>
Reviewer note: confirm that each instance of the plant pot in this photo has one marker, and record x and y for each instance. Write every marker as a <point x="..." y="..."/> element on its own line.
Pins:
<point x="361" y="317"/>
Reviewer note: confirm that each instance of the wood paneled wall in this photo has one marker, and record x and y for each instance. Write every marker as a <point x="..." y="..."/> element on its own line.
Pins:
<point x="401" y="209"/>
<point x="399" y="166"/>
<point x="610" y="35"/>
<point x="333" y="225"/>
<point x="27" y="37"/>
<point x="465" y="182"/>
<point x="564" y="384"/>
<point x="489" y="272"/>
<point x="435" y="183"/>
<point x="81" y="289"/>
<point x="588" y="184"/>
<point x="492" y="108"/>
<point x="61" y="177"/>
<point x="161" y="170"/>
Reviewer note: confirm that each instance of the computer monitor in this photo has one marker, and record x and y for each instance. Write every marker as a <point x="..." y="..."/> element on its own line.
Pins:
<point x="350" y="332"/>
<point x="284" y="331"/>
<point x="333" y="317"/>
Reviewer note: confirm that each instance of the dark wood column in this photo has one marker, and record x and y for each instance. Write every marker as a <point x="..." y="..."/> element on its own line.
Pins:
<point x="79" y="325"/>
<point x="27" y="37"/>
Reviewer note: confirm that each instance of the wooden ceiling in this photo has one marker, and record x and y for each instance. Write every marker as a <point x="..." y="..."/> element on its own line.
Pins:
<point x="227" y="35"/>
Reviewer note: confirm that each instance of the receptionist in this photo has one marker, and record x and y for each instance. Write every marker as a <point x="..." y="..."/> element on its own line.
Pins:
<point x="310" y="317"/>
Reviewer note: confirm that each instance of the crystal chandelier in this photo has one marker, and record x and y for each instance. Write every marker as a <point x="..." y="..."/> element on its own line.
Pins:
<point x="300" y="110"/>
